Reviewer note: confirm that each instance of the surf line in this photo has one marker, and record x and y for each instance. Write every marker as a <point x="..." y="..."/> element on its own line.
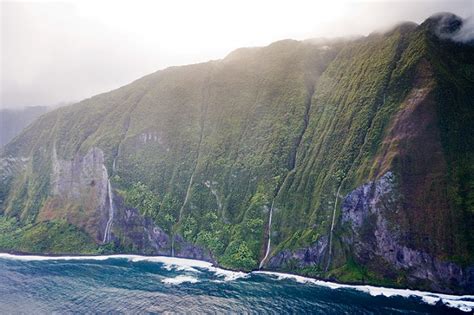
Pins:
<point x="462" y="302"/>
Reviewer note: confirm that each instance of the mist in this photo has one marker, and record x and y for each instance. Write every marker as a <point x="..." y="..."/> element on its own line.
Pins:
<point x="466" y="33"/>
<point x="53" y="52"/>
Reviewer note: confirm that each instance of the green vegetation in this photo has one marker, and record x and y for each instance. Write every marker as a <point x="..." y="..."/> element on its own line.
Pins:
<point x="238" y="255"/>
<point x="352" y="272"/>
<point x="12" y="121"/>
<point x="140" y="197"/>
<point x="44" y="237"/>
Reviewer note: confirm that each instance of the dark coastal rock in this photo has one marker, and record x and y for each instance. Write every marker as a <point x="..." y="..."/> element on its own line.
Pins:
<point x="367" y="210"/>
<point x="300" y="258"/>
<point x="137" y="234"/>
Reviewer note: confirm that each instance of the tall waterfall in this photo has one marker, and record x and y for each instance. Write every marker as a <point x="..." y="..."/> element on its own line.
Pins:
<point x="111" y="213"/>
<point x="214" y="192"/>
<point x="291" y="171"/>
<point x="172" y="245"/>
<point x="267" y="252"/>
<point x="332" y="226"/>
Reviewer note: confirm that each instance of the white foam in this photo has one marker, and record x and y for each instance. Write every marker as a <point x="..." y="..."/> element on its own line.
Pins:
<point x="228" y="275"/>
<point x="39" y="258"/>
<point x="173" y="263"/>
<point x="170" y="263"/>
<point x="462" y="302"/>
<point x="180" y="268"/>
<point x="167" y="261"/>
<point x="180" y="279"/>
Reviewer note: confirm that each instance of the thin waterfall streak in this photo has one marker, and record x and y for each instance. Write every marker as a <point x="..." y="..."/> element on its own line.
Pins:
<point x="332" y="224"/>
<point x="111" y="214"/>
<point x="214" y="192"/>
<point x="267" y="252"/>
<point x="172" y="246"/>
<point x="218" y="200"/>
<point x="292" y="170"/>
<point x="337" y="195"/>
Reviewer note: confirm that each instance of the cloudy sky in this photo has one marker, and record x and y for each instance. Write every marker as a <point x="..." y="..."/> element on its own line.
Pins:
<point x="62" y="51"/>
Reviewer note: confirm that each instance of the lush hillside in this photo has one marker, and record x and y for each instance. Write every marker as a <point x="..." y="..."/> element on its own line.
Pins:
<point x="12" y="121"/>
<point x="337" y="159"/>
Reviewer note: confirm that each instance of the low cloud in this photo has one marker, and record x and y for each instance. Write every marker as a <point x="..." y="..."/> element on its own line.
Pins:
<point x="450" y="26"/>
<point x="466" y="32"/>
<point x="54" y="51"/>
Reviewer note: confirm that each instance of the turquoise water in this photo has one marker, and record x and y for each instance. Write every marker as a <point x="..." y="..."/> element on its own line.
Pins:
<point x="136" y="284"/>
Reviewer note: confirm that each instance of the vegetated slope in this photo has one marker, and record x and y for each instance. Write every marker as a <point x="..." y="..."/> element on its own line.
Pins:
<point x="12" y="121"/>
<point x="357" y="148"/>
<point x="401" y="119"/>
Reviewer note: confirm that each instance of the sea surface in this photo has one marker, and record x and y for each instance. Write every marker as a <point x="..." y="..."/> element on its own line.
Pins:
<point x="140" y="284"/>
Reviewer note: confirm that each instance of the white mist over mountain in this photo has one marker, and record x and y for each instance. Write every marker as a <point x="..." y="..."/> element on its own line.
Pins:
<point x="69" y="50"/>
<point x="466" y="33"/>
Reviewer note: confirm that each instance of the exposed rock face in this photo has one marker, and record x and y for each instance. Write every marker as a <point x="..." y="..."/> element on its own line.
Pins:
<point x="81" y="184"/>
<point x="84" y="173"/>
<point x="140" y="235"/>
<point x="301" y="258"/>
<point x="370" y="211"/>
<point x="84" y="181"/>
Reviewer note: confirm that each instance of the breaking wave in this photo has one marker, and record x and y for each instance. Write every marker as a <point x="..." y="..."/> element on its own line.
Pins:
<point x="181" y="271"/>
<point x="180" y="279"/>
<point x="462" y="302"/>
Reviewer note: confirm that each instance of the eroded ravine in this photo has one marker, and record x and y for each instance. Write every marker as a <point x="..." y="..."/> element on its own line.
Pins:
<point x="378" y="105"/>
<point x="292" y="166"/>
<point x="204" y="108"/>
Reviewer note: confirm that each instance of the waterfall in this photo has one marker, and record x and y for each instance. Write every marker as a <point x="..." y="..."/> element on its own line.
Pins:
<point x="267" y="251"/>
<point x="214" y="192"/>
<point x="339" y="189"/>
<point x="332" y="225"/>
<point x="172" y="246"/>
<point x="218" y="200"/>
<point x="111" y="213"/>
<point x="291" y="171"/>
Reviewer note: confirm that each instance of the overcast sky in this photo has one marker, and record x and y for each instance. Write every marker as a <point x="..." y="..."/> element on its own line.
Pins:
<point x="62" y="51"/>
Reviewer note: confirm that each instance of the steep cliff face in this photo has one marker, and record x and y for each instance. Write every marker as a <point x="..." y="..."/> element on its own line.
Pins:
<point x="316" y="158"/>
<point x="78" y="192"/>
<point x="372" y="213"/>
<point x="133" y="232"/>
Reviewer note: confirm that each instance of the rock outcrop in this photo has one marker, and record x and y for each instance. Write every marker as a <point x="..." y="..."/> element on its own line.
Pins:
<point x="313" y="256"/>
<point x="136" y="234"/>
<point x="371" y="212"/>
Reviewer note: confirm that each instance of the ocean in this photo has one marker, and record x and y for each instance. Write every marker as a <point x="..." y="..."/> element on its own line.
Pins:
<point x="140" y="284"/>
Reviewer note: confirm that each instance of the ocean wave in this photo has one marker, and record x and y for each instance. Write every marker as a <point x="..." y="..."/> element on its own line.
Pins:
<point x="180" y="279"/>
<point x="228" y="275"/>
<point x="462" y="302"/>
<point x="177" y="264"/>
<point x="167" y="261"/>
<point x="170" y="263"/>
